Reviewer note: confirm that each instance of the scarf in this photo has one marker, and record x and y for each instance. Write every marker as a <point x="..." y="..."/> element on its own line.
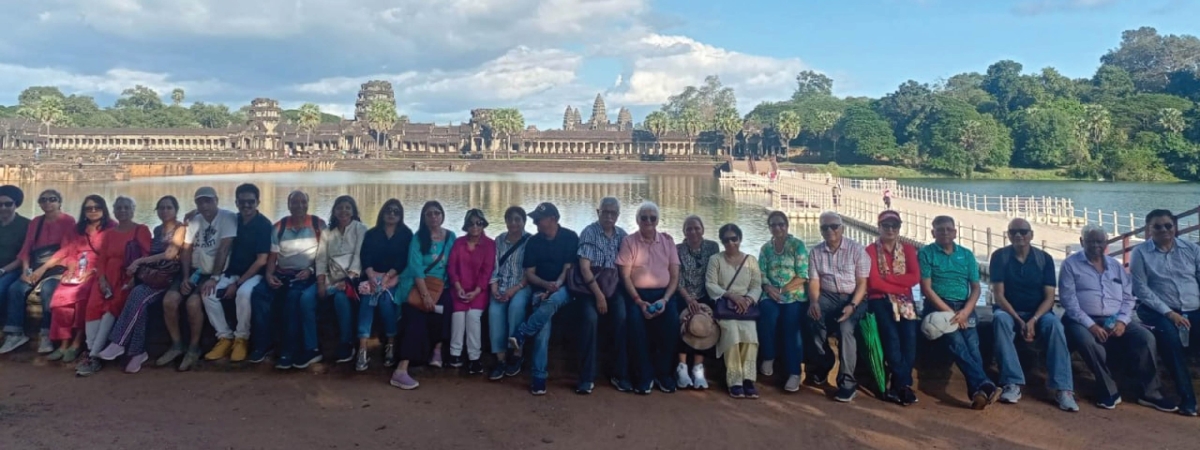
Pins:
<point x="903" y="306"/>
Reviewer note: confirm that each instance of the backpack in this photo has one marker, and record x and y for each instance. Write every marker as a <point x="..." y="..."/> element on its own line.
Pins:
<point x="283" y="227"/>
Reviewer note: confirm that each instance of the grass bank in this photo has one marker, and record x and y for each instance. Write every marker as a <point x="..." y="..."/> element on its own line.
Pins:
<point x="894" y="172"/>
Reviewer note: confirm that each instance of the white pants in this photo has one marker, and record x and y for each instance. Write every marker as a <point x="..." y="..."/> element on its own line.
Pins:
<point x="96" y="332"/>
<point x="470" y="324"/>
<point x="216" y="312"/>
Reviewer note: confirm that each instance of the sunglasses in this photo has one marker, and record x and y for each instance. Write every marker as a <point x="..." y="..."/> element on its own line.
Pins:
<point x="648" y="219"/>
<point x="778" y="224"/>
<point x="7" y="204"/>
<point x="1164" y="226"/>
<point x="48" y="200"/>
<point x="92" y="209"/>
<point x="889" y="226"/>
<point x="730" y="239"/>
<point x="391" y="212"/>
<point x="1019" y="232"/>
<point x="831" y="227"/>
<point x="476" y="223"/>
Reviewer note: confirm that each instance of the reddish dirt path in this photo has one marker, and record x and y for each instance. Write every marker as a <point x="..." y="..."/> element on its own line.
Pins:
<point x="47" y="407"/>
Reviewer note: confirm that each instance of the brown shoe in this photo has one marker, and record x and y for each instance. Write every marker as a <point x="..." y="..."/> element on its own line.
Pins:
<point x="221" y="350"/>
<point x="239" y="350"/>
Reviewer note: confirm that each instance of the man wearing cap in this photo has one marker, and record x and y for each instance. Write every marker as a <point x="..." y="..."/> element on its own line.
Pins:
<point x="549" y="256"/>
<point x="894" y="273"/>
<point x="838" y="269"/>
<point x="649" y="266"/>
<point x="248" y="257"/>
<point x="1023" y="285"/>
<point x="950" y="283"/>
<point x="1097" y="294"/>
<point x="599" y="245"/>
<point x="209" y="236"/>
<point x="12" y="236"/>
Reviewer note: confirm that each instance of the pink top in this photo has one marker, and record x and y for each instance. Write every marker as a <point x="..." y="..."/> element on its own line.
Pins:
<point x="650" y="260"/>
<point x="472" y="268"/>
<point x="52" y="233"/>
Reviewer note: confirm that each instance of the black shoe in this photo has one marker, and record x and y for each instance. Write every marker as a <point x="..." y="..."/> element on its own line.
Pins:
<point x="474" y="367"/>
<point x="497" y="373"/>
<point x="644" y="389"/>
<point x="1109" y="402"/>
<point x="667" y="385"/>
<point x="893" y="396"/>
<point x="1160" y="404"/>
<point x="513" y="367"/>
<point x="907" y="396"/>
<point x="585" y="388"/>
<point x="456" y="361"/>
<point x="814" y="381"/>
<point x="749" y="389"/>
<point x="844" y="395"/>
<point x="621" y="385"/>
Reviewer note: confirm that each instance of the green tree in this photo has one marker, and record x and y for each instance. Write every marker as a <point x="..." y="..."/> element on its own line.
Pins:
<point x="33" y="95"/>
<point x="823" y="125"/>
<point x="177" y="96"/>
<point x="867" y="135"/>
<point x="705" y="101"/>
<point x="907" y="108"/>
<point x="1150" y="58"/>
<point x="689" y="122"/>
<point x="310" y="117"/>
<point x="787" y="127"/>
<point x="1169" y="120"/>
<point x="213" y="115"/>
<point x="658" y="123"/>
<point x="1110" y="84"/>
<point x="1095" y="126"/>
<point x="810" y="83"/>
<point x="1044" y="136"/>
<point x="1140" y="112"/>
<point x="140" y="98"/>
<point x="48" y="111"/>
<point x="729" y="124"/>
<point x="507" y="121"/>
<point x="959" y="140"/>
<point x="381" y="117"/>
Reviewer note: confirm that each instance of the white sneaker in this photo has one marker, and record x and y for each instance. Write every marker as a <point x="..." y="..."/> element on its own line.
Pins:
<point x="13" y="342"/>
<point x="768" y="368"/>
<point x="683" y="381"/>
<point x="44" y="344"/>
<point x="698" y="380"/>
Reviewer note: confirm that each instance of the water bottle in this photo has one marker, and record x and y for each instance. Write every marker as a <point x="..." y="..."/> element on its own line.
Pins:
<point x="1184" y="335"/>
<point x="195" y="277"/>
<point x="1111" y="322"/>
<point x="82" y="266"/>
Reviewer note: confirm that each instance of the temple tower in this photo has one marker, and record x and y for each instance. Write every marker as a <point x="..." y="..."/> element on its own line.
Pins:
<point x="369" y="92"/>
<point x="599" y="120"/>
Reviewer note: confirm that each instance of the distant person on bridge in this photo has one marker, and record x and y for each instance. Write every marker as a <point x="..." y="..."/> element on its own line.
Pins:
<point x="837" y="194"/>
<point x="1023" y="283"/>
<point x="950" y="283"/>
<point x="1166" y="278"/>
<point x="887" y="198"/>
<point x="838" y="269"/>
<point x="894" y="272"/>
<point x="1097" y="294"/>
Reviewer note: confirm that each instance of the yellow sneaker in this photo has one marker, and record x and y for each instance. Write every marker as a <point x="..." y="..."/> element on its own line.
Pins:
<point x="220" y="350"/>
<point x="239" y="350"/>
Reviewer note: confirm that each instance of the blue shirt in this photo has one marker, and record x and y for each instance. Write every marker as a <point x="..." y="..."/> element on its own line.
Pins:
<point x="1086" y="292"/>
<point x="1167" y="280"/>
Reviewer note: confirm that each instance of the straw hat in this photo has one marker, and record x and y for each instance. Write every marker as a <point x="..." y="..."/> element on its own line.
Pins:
<point x="699" y="331"/>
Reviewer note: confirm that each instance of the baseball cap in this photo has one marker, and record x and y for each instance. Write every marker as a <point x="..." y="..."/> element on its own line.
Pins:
<point x="544" y="210"/>
<point x="889" y="215"/>
<point x="206" y="191"/>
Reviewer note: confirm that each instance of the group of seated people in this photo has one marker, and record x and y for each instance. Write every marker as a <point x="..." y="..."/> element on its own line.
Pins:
<point x="667" y="306"/>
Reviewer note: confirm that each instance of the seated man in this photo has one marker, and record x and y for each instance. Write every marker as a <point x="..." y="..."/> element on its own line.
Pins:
<point x="248" y="256"/>
<point x="950" y="283"/>
<point x="1023" y="288"/>
<point x="1098" y="297"/>
<point x="650" y="272"/>
<point x="838" y="269"/>
<point x="1166" y="278"/>
<point x="599" y="244"/>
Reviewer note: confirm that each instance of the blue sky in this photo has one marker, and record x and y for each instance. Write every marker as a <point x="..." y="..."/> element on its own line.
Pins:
<point x="448" y="56"/>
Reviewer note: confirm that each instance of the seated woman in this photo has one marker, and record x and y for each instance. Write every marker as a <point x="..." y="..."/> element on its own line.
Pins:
<point x="337" y="265"/>
<point x="384" y="256"/>
<point x="784" y="264"/>
<point x="421" y="287"/>
<point x="79" y="253"/>
<point x="694" y="253"/>
<point x="155" y="275"/>
<point x="42" y="240"/>
<point x="472" y="261"/>
<point x="733" y="277"/>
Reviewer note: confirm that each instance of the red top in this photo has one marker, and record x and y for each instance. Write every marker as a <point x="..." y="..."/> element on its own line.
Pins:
<point x="53" y="233"/>
<point x="111" y="263"/>
<point x="879" y="285"/>
<point x="472" y="268"/>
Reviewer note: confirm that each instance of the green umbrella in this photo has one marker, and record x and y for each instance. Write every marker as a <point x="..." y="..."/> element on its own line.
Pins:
<point x="869" y="330"/>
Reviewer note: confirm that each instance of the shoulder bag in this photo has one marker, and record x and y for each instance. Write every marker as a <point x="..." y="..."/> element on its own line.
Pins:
<point x="434" y="285"/>
<point x="727" y="310"/>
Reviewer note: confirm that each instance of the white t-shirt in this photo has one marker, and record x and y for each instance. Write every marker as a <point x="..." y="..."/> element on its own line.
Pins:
<point x="206" y="236"/>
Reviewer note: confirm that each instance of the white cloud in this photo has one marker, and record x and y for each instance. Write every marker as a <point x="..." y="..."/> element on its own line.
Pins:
<point x="14" y="78"/>
<point x="1035" y="7"/>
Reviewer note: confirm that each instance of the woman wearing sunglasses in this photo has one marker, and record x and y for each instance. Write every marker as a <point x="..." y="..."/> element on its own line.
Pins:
<point x="472" y="260"/>
<point x="80" y="255"/>
<point x="733" y="277"/>
<point x="384" y="257"/>
<point x="43" y="239"/>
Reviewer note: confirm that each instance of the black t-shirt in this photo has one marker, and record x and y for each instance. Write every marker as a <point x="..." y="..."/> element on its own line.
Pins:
<point x="548" y="257"/>
<point x="1024" y="283"/>
<point x="382" y="254"/>
<point x="253" y="238"/>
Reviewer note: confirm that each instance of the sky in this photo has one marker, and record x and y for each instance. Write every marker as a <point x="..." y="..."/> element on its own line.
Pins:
<point x="446" y="57"/>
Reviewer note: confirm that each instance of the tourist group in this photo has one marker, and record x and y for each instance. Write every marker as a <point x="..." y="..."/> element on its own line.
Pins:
<point x="666" y="307"/>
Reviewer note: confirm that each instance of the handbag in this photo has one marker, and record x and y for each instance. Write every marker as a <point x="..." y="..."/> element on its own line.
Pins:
<point x="38" y="257"/>
<point x="727" y="310"/>
<point x="159" y="274"/>
<point x="434" y="285"/>
<point x="607" y="278"/>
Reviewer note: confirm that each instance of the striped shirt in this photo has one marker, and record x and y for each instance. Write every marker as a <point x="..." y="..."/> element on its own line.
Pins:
<point x="297" y="247"/>
<point x="597" y="247"/>
<point x="839" y="270"/>
<point x="512" y="272"/>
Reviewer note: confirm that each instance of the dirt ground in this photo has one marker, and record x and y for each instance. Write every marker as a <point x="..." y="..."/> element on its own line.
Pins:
<point x="44" y="406"/>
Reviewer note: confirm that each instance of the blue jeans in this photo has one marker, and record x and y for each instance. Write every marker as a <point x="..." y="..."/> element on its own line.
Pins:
<point x="16" y="291"/>
<point x="266" y="298"/>
<point x="899" y="339"/>
<point x="964" y="345"/>
<point x="589" y="337"/>
<point x="387" y="315"/>
<point x="538" y="327"/>
<point x="341" y="307"/>
<point x="654" y="341"/>
<point x="503" y="318"/>
<point x="1049" y="333"/>
<point x="1172" y="350"/>
<point x="783" y="318"/>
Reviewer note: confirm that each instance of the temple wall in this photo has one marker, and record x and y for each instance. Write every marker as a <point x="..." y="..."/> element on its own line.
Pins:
<point x="169" y="169"/>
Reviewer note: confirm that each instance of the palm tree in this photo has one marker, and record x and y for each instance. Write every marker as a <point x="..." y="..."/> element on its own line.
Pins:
<point x="48" y="111"/>
<point x="1170" y="120"/>
<point x="1095" y="127"/>
<point x="381" y="117"/>
<point x="689" y="123"/>
<point x="825" y="126"/>
<point x="658" y="123"/>
<point x="310" y="117"/>
<point x="728" y="123"/>
<point x="177" y="96"/>
<point x="787" y="126"/>
<point x="507" y="121"/>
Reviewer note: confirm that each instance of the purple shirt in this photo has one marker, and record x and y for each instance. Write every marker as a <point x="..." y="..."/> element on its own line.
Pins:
<point x="1086" y="292"/>
<point x="839" y="270"/>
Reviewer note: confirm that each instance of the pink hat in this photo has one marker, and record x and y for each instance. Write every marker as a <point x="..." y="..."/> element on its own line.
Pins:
<point x="889" y="215"/>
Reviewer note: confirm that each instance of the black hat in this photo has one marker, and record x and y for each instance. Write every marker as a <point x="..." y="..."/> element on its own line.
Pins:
<point x="474" y="213"/>
<point x="14" y="193"/>
<point x="544" y="210"/>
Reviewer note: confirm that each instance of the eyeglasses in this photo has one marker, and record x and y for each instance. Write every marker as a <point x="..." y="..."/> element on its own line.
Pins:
<point x="391" y="212"/>
<point x="730" y="239"/>
<point x="648" y="219"/>
<point x="778" y="225"/>
<point x="92" y="209"/>
<point x="889" y="226"/>
<point x="7" y="204"/>
<point x="1019" y="232"/>
<point x="609" y="213"/>
<point x="1094" y="242"/>
<point x="45" y="200"/>
<point x="831" y="227"/>
<point x="1164" y="226"/>
<point x="476" y="223"/>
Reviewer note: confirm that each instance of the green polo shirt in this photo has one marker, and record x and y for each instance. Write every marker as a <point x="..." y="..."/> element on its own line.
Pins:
<point x="12" y="237"/>
<point x="950" y="274"/>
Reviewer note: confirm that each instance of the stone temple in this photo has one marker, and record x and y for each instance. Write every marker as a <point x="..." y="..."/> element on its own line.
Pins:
<point x="266" y="134"/>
